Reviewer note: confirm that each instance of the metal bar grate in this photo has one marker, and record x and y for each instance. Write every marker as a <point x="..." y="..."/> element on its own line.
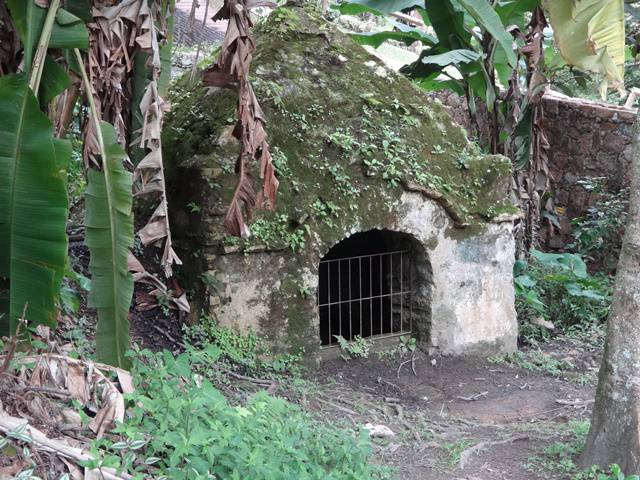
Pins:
<point x="365" y="295"/>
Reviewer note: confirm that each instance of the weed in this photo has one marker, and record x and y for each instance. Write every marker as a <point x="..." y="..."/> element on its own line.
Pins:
<point x="359" y="347"/>
<point x="597" y="235"/>
<point x="558" y="458"/>
<point x="240" y="349"/>
<point x="277" y="231"/>
<point x="558" y="288"/>
<point x="535" y="361"/>
<point x="455" y="449"/>
<point x="179" y="426"/>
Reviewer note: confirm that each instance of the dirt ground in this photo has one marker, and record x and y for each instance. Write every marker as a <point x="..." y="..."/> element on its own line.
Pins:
<point x="462" y="418"/>
<point x="454" y="418"/>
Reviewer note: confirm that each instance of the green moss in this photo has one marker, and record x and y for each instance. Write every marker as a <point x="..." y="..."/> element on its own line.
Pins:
<point x="281" y="22"/>
<point x="344" y="133"/>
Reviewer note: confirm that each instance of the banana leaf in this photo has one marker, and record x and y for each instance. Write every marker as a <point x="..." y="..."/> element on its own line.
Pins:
<point x="33" y="207"/>
<point x="109" y="236"/>
<point x="488" y="19"/>
<point x="68" y="31"/>
<point x="590" y="35"/>
<point x="377" y="7"/>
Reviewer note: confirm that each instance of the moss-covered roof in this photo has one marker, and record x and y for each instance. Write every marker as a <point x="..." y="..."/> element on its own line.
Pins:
<point x="346" y="134"/>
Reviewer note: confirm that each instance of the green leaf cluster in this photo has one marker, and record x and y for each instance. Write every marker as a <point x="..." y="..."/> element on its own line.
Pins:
<point x="190" y="431"/>
<point x="558" y="287"/>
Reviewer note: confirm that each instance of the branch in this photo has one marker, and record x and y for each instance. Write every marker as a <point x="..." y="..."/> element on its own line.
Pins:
<point x="41" y="442"/>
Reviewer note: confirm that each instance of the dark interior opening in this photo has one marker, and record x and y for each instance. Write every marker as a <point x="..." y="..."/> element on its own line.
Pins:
<point x="374" y="283"/>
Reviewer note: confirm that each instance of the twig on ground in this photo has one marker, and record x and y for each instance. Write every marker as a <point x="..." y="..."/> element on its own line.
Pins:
<point x="473" y="398"/>
<point x="169" y="336"/>
<point x="412" y="361"/>
<point x="272" y="385"/>
<point x="335" y="405"/>
<point x="575" y="403"/>
<point x="465" y="456"/>
<point x="409" y="427"/>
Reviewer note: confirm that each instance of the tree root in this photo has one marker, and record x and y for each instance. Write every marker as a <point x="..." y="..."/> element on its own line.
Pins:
<point x="465" y="456"/>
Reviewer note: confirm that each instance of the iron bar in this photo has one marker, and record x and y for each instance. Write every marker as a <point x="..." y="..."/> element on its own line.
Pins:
<point x="388" y="292"/>
<point x="340" y="300"/>
<point x="350" y="326"/>
<point x="329" y="300"/>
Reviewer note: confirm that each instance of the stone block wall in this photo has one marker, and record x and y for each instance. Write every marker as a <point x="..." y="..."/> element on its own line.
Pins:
<point x="586" y="138"/>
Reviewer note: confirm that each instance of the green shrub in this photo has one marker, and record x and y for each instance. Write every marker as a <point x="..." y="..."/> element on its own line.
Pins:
<point x="558" y="288"/>
<point x="616" y="474"/>
<point x="247" y="351"/>
<point x="598" y="234"/>
<point x="179" y="426"/>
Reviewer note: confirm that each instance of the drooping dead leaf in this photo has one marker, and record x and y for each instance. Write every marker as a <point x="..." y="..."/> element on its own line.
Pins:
<point x="84" y="382"/>
<point x="231" y="70"/>
<point x="113" y="39"/>
<point x="533" y="181"/>
<point x="149" y="173"/>
<point x="147" y="301"/>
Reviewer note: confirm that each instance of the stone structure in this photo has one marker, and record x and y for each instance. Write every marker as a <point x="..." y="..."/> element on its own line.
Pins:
<point x="368" y="165"/>
<point x="587" y="139"/>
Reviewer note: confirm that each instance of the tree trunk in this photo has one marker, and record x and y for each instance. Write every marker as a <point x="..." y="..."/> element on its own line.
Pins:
<point x="614" y="436"/>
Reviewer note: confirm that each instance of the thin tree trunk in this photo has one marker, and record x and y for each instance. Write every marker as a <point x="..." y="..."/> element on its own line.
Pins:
<point x="614" y="436"/>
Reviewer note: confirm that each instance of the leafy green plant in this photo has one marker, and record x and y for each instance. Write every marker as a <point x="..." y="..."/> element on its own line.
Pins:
<point x="597" y="234"/>
<point x="615" y="473"/>
<point x="357" y="348"/>
<point x="276" y="231"/>
<point x="558" y="288"/>
<point x="559" y="457"/>
<point x="240" y="349"/>
<point x="535" y="361"/>
<point x="180" y="426"/>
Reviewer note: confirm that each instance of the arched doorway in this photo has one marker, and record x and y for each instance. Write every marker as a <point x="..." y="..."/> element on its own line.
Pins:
<point x="374" y="284"/>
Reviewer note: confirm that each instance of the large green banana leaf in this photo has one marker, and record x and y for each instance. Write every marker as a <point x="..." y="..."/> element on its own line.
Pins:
<point x="68" y="31"/>
<point x="377" y="7"/>
<point x="33" y="207"/>
<point x="590" y="35"/>
<point x="488" y="19"/>
<point x="109" y="236"/>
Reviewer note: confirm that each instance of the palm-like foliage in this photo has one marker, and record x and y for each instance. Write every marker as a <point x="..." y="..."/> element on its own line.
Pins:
<point x="109" y="236"/>
<point x="33" y="206"/>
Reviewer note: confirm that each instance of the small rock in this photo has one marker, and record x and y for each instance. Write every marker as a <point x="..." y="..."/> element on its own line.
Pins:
<point x="541" y="322"/>
<point x="392" y="447"/>
<point x="379" y="431"/>
<point x="71" y="418"/>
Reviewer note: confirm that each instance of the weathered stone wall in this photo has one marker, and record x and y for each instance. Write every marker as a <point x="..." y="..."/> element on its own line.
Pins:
<point x="587" y="139"/>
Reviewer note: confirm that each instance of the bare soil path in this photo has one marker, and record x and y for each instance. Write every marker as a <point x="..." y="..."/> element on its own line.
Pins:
<point x="466" y="418"/>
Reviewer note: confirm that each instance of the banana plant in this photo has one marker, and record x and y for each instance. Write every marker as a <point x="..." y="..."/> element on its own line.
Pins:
<point x="473" y="51"/>
<point x="33" y="199"/>
<point x="109" y="236"/>
<point x="590" y="35"/>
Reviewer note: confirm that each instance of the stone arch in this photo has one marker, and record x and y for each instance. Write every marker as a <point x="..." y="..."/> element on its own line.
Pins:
<point x="374" y="284"/>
